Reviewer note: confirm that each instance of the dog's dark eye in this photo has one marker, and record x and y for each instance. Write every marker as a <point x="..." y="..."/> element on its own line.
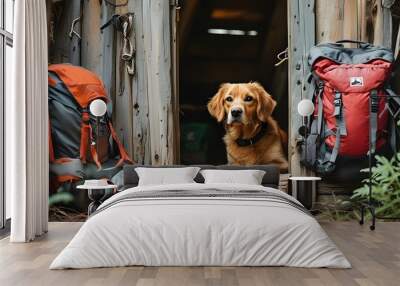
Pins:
<point x="248" y="98"/>
<point x="229" y="98"/>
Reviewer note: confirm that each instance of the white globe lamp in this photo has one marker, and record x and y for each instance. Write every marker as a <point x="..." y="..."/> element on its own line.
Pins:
<point x="98" y="108"/>
<point x="305" y="107"/>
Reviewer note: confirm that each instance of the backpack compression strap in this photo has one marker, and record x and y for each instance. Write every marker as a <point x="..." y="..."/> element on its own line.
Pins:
<point x="86" y="136"/>
<point x="309" y="156"/>
<point x="340" y="126"/>
<point x="374" y="107"/>
<point x="123" y="154"/>
<point x="327" y="163"/>
<point x="320" y="114"/>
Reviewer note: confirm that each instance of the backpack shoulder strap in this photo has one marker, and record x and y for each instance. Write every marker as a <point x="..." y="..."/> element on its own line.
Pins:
<point x="340" y="125"/>
<point x="124" y="157"/>
<point x="373" y="123"/>
<point x="393" y="105"/>
<point x="86" y="138"/>
<point x="326" y="163"/>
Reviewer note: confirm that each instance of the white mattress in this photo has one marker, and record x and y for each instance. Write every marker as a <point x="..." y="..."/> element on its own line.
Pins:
<point x="189" y="231"/>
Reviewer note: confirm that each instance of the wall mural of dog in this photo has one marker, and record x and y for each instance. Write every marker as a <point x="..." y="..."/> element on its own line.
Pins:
<point x="252" y="135"/>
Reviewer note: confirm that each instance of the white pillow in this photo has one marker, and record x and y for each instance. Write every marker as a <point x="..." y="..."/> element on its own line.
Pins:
<point x="165" y="176"/>
<point x="248" y="177"/>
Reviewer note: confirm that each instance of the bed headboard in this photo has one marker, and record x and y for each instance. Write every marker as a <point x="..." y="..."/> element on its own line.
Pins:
<point x="270" y="179"/>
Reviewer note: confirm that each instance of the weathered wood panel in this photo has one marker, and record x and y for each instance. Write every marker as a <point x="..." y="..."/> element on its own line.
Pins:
<point x="138" y="90"/>
<point x="341" y="23"/>
<point x="152" y="105"/>
<point x="376" y="21"/>
<point x="175" y="52"/>
<point x="329" y="19"/>
<point x="383" y="32"/>
<point x="123" y="107"/>
<point x="107" y="56"/>
<point x="365" y="19"/>
<point x="98" y="47"/>
<point x="63" y="47"/>
<point x="50" y="20"/>
<point x="91" y="40"/>
<point x="351" y="23"/>
<point x="301" y="27"/>
<point x="157" y="46"/>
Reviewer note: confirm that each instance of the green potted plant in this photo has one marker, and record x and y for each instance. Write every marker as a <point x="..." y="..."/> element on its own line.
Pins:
<point x="385" y="187"/>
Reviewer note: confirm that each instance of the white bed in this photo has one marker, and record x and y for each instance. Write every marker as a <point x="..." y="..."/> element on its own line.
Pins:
<point x="139" y="227"/>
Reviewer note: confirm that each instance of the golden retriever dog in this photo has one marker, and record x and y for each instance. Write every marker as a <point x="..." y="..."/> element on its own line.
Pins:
<point x="252" y="135"/>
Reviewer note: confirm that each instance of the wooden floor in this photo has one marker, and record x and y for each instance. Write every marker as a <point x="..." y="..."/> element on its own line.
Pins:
<point x="375" y="257"/>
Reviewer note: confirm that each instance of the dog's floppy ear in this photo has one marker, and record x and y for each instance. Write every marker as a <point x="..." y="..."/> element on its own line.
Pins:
<point x="266" y="104"/>
<point x="216" y="104"/>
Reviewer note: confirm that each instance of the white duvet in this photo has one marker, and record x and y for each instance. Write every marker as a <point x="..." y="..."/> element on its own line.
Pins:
<point x="204" y="231"/>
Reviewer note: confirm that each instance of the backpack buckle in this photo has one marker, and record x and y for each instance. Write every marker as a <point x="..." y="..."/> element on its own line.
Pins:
<point x="374" y="102"/>
<point x="338" y="103"/>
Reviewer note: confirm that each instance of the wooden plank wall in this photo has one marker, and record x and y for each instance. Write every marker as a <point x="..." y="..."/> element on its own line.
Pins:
<point x="301" y="33"/>
<point x="98" y="47"/>
<point x="175" y="52"/>
<point x="365" y="20"/>
<point x="147" y="103"/>
<point x="91" y="41"/>
<point x="107" y="56"/>
<point x="62" y="47"/>
<point x="95" y="50"/>
<point x="147" y="100"/>
<point x="157" y="45"/>
<point x="123" y="107"/>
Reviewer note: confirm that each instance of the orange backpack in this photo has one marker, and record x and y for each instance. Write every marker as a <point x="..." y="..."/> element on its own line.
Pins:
<point x="72" y="129"/>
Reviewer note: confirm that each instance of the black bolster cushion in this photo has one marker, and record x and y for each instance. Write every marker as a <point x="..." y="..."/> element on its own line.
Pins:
<point x="270" y="179"/>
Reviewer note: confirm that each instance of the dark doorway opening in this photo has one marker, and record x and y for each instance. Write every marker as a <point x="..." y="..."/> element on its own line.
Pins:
<point x="227" y="41"/>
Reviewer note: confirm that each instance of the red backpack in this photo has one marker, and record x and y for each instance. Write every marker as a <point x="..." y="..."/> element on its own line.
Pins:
<point x="350" y="101"/>
<point x="77" y="149"/>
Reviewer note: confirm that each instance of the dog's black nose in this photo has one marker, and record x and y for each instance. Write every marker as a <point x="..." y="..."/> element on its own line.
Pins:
<point x="236" y="112"/>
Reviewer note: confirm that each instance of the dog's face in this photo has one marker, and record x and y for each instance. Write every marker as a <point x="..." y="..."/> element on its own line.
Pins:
<point x="241" y="103"/>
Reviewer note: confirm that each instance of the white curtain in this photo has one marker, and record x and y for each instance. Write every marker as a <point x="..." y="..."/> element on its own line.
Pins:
<point x="27" y="124"/>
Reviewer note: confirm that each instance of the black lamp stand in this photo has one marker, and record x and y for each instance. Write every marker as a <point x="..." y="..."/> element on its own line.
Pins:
<point x="370" y="205"/>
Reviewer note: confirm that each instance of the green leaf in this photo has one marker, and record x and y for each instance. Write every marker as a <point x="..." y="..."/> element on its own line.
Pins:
<point x="60" y="198"/>
<point x="385" y="178"/>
